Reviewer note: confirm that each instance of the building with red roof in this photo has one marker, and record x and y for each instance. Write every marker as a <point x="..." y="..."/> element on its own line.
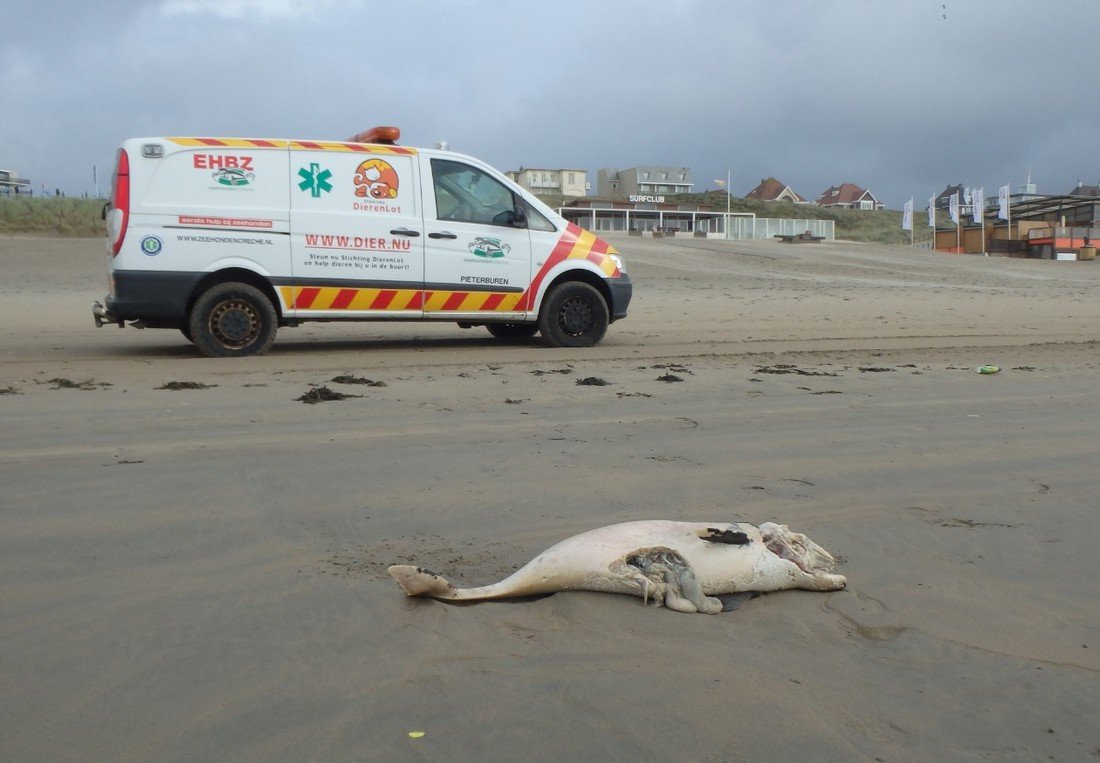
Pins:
<point x="771" y="189"/>
<point x="848" y="196"/>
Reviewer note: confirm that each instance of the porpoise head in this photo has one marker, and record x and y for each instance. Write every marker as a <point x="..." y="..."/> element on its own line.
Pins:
<point x="796" y="547"/>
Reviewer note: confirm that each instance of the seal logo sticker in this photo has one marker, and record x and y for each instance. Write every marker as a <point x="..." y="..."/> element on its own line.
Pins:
<point x="232" y="177"/>
<point x="376" y="179"/>
<point x="489" y="248"/>
<point x="151" y="245"/>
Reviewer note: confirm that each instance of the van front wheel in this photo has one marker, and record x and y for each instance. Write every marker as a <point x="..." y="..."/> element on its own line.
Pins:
<point x="232" y="320"/>
<point x="574" y="314"/>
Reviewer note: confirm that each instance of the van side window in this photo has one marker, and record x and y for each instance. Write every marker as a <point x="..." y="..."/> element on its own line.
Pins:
<point x="467" y="194"/>
<point x="535" y="220"/>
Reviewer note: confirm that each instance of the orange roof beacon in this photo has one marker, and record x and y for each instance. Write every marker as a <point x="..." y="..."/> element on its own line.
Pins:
<point x="386" y="136"/>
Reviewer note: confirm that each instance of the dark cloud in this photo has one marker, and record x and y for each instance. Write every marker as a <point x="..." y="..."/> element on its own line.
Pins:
<point x="888" y="95"/>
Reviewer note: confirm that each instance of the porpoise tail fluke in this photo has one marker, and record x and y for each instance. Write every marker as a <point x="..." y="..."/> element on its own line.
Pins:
<point x="417" y="581"/>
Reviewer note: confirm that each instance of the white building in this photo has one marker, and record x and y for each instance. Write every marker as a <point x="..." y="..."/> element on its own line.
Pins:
<point x="543" y="182"/>
<point x="643" y="181"/>
<point x="10" y="183"/>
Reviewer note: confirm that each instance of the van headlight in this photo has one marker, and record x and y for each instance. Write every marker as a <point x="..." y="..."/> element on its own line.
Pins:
<point x="618" y="262"/>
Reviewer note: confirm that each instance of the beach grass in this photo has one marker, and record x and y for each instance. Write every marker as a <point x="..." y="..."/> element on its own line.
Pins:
<point x="52" y="216"/>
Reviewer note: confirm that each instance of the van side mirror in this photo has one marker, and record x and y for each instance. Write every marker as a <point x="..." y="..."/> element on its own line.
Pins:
<point x="519" y="217"/>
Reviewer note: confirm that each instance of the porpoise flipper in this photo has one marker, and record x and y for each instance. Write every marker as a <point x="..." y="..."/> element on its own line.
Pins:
<point x="673" y="580"/>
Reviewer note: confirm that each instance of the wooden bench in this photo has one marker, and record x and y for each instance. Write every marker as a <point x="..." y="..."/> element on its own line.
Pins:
<point x="799" y="238"/>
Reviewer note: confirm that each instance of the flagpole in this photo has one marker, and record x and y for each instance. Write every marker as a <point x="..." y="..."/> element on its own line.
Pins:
<point x="956" y="215"/>
<point x="912" y="228"/>
<point x="982" y="213"/>
<point x="932" y="222"/>
<point x="958" y="230"/>
<point x="727" y="204"/>
<point x="907" y="218"/>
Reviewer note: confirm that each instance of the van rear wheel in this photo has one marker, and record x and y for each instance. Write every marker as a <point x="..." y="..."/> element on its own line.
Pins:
<point x="232" y="320"/>
<point x="574" y="314"/>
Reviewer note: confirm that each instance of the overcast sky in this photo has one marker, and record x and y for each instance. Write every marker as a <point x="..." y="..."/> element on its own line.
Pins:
<point x="901" y="97"/>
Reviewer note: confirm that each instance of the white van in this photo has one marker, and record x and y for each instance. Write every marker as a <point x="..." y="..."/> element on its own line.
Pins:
<point x="228" y="239"/>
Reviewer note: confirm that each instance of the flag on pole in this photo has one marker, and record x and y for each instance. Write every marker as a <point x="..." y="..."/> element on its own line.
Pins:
<point x="1002" y="203"/>
<point x="720" y="183"/>
<point x="931" y="211"/>
<point x="953" y="208"/>
<point x="977" y="201"/>
<point x="907" y="215"/>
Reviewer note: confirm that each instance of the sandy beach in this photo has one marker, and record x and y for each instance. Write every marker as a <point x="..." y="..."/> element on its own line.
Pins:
<point x="194" y="560"/>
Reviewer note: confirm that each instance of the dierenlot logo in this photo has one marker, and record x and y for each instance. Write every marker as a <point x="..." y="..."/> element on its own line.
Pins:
<point x="315" y="180"/>
<point x="377" y="179"/>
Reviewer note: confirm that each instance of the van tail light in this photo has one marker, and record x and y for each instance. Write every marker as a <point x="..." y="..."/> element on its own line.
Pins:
<point x="120" y="202"/>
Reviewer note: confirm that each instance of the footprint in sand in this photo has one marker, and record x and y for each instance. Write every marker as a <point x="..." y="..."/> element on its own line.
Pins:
<point x="867" y="616"/>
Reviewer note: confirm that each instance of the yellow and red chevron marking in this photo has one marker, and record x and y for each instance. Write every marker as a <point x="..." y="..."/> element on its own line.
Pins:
<point x="339" y="298"/>
<point x="229" y="142"/>
<point x="359" y="148"/>
<point x="471" y="301"/>
<point x="575" y="244"/>
<point x="298" y="145"/>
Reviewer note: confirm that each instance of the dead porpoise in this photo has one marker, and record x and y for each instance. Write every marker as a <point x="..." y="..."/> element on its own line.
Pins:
<point x="682" y="565"/>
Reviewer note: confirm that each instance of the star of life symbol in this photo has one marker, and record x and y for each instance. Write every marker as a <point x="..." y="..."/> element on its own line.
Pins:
<point x="315" y="180"/>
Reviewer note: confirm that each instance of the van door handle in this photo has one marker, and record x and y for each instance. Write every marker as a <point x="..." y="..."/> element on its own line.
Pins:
<point x="442" y="234"/>
<point x="405" y="232"/>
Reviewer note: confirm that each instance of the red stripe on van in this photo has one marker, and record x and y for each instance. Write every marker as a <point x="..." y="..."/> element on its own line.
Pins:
<point x="382" y="301"/>
<point x="305" y="298"/>
<point x="417" y="302"/>
<point x="492" y="302"/>
<point x="343" y="299"/>
<point x="307" y="144"/>
<point x="561" y="251"/>
<point x="264" y="144"/>
<point x="455" y="300"/>
<point x="211" y="141"/>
